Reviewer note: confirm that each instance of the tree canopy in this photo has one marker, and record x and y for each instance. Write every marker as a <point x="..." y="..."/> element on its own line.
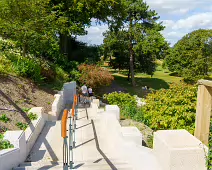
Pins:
<point x="135" y="35"/>
<point x="36" y="25"/>
<point x="191" y="57"/>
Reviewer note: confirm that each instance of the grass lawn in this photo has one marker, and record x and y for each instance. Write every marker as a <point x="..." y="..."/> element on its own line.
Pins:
<point x="160" y="79"/>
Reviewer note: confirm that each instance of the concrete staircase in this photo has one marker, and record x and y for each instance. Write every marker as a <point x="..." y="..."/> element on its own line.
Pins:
<point x="100" y="164"/>
<point x="98" y="145"/>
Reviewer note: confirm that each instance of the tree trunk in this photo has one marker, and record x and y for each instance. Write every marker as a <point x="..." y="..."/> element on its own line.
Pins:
<point x="128" y="76"/>
<point x="131" y="55"/>
<point x="63" y="43"/>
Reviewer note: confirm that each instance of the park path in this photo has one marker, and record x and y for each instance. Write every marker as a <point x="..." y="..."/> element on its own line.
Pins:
<point x="93" y="150"/>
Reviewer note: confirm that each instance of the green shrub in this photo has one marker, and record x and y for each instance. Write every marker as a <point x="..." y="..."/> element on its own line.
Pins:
<point x="174" y="108"/>
<point x="121" y="99"/>
<point x="28" y="67"/>
<point x="209" y="156"/>
<point x="4" y="118"/>
<point x="75" y="75"/>
<point x="4" y="144"/>
<point x="33" y="116"/>
<point x="21" y="125"/>
<point x="1" y="136"/>
<point x="130" y="111"/>
<point x="61" y="74"/>
<point x="25" y="109"/>
<point x="6" y="44"/>
<point x="47" y="70"/>
<point x="126" y="102"/>
<point x="6" y="65"/>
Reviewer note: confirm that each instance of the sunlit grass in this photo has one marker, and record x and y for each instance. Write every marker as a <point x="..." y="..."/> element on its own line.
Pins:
<point x="160" y="79"/>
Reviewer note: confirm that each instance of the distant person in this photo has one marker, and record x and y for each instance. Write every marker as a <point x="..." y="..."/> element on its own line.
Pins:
<point x="84" y="90"/>
<point x="90" y="92"/>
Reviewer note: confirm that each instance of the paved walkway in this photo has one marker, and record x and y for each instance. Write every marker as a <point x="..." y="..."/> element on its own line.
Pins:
<point x="92" y="151"/>
<point x="99" y="146"/>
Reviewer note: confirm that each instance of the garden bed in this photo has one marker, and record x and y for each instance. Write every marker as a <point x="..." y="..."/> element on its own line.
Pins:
<point x="18" y="96"/>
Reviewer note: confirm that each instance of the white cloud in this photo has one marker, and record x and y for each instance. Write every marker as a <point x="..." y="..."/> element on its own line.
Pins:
<point x="94" y="34"/>
<point x="179" y="16"/>
<point x="168" y="23"/>
<point x="175" y="30"/>
<point x="202" y="20"/>
<point x="178" y="7"/>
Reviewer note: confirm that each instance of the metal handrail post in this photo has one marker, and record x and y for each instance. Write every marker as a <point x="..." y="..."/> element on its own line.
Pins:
<point x="75" y="118"/>
<point x="65" y="156"/>
<point x="70" y="145"/>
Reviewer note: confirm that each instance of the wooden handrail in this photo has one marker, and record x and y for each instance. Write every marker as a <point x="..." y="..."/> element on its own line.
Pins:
<point x="64" y="124"/>
<point x="75" y="99"/>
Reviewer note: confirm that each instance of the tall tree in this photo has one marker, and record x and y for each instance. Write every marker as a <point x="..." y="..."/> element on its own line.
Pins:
<point x="191" y="56"/>
<point x="115" y="46"/>
<point x="25" y="21"/>
<point x="136" y="20"/>
<point x="74" y="16"/>
<point x="32" y="21"/>
<point x="150" y="47"/>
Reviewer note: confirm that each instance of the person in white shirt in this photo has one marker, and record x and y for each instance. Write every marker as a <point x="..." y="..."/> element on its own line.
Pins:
<point x="84" y="90"/>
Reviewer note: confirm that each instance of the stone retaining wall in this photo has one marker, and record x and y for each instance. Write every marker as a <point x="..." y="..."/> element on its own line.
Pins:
<point x="23" y="141"/>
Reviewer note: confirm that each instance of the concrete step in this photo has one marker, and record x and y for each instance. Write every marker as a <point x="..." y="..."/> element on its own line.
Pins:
<point x="100" y="164"/>
<point x="61" y="168"/>
<point x="86" y="163"/>
<point x="79" y="167"/>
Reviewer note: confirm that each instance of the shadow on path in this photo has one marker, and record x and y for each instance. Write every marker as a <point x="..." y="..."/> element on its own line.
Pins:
<point x="99" y="149"/>
<point x="40" y="153"/>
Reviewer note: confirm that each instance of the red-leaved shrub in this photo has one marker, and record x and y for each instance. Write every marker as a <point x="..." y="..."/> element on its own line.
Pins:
<point x="94" y="76"/>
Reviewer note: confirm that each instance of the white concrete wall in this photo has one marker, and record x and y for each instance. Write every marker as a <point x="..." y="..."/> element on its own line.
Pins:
<point x="57" y="106"/>
<point x="96" y="101"/>
<point x="132" y="134"/>
<point x="10" y="158"/>
<point x="113" y="109"/>
<point x="69" y="90"/>
<point x="33" y="131"/>
<point x="63" y="100"/>
<point x="23" y="141"/>
<point x="179" y="150"/>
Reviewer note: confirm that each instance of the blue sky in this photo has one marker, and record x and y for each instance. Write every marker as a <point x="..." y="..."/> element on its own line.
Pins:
<point x="179" y="16"/>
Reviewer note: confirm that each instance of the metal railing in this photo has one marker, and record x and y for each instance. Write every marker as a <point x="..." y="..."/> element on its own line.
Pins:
<point x="69" y="140"/>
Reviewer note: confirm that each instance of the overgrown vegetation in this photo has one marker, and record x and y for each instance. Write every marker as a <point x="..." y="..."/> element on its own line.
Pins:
<point x="22" y="126"/>
<point x="173" y="108"/>
<point x="4" y="144"/>
<point x="32" y="116"/>
<point x="30" y="67"/>
<point x="4" y="118"/>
